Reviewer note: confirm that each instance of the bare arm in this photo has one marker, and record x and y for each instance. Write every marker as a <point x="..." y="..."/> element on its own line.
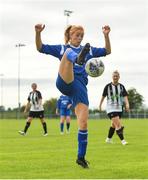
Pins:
<point x="126" y="103"/>
<point x="106" y="31"/>
<point x="40" y="102"/>
<point x="27" y="107"/>
<point x="57" y="111"/>
<point x="38" y="29"/>
<point x="101" y="102"/>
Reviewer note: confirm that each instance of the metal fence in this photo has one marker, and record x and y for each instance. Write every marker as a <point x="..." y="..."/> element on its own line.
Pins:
<point x="137" y="114"/>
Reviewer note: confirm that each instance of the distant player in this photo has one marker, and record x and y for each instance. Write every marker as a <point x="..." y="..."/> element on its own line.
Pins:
<point x="64" y="104"/>
<point x="116" y="97"/>
<point x="36" y="109"/>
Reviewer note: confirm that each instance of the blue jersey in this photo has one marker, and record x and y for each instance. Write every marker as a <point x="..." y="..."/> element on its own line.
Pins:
<point x="63" y="102"/>
<point x="58" y="51"/>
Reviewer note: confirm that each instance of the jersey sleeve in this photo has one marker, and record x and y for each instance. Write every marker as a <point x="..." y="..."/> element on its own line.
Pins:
<point x="98" y="52"/>
<point x="53" y="50"/>
<point x="39" y="95"/>
<point x="104" y="94"/>
<point x="124" y="92"/>
<point x="29" y="97"/>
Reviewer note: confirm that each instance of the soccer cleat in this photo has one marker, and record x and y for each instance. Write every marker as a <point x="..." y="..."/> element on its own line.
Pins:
<point x="81" y="56"/>
<point x="61" y="133"/>
<point x="22" y="133"/>
<point x="82" y="162"/>
<point x="124" y="142"/>
<point x="45" y="134"/>
<point x="108" y="140"/>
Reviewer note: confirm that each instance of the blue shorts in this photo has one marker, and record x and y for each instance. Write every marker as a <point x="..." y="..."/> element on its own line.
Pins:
<point x="76" y="90"/>
<point x="64" y="112"/>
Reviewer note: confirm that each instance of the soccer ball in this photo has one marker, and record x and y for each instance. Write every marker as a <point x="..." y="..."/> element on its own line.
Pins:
<point x="94" y="67"/>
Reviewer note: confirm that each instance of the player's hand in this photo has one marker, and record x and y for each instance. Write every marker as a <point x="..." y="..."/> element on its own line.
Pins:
<point x="106" y="29"/>
<point x="37" y="106"/>
<point x="127" y="108"/>
<point x="39" y="27"/>
<point x="57" y="113"/>
<point x="69" y="106"/>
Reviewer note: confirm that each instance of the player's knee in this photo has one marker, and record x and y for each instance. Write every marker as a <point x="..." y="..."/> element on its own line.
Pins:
<point x="42" y="121"/>
<point x="83" y="125"/>
<point x="29" y="120"/>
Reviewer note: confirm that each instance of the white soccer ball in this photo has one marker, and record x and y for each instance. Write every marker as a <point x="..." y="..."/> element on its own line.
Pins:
<point x="94" y="67"/>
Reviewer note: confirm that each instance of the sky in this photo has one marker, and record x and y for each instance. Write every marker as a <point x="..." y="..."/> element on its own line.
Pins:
<point x="128" y="20"/>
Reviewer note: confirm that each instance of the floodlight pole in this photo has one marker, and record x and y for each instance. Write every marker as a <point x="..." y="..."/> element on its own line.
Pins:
<point x="2" y="75"/>
<point x="67" y="13"/>
<point x="19" y="45"/>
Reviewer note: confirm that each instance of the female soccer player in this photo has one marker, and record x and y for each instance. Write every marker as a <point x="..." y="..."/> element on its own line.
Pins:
<point x="36" y="109"/>
<point x="116" y="97"/>
<point x="72" y="78"/>
<point x="64" y="104"/>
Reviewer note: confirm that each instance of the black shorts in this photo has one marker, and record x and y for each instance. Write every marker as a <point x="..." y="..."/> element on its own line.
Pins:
<point x="36" y="114"/>
<point x="114" y="114"/>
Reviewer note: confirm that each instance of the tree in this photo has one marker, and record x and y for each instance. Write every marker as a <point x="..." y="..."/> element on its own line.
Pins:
<point x="50" y="106"/>
<point x="135" y="99"/>
<point x="2" y="108"/>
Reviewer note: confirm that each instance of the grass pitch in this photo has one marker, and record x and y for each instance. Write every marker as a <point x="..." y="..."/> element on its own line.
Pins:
<point x="38" y="157"/>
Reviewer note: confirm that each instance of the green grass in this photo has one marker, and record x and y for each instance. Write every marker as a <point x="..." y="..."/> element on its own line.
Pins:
<point x="38" y="157"/>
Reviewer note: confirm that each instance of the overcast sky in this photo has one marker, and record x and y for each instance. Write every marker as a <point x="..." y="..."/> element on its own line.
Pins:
<point x="128" y="20"/>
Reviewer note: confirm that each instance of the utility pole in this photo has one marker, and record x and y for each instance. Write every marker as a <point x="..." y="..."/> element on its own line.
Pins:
<point x="2" y="106"/>
<point x="67" y="13"/>
<point x="19" y="45"/>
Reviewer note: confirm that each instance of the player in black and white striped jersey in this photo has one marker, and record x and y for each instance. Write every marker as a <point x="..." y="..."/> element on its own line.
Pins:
<point x="117" y="97"/>
<point x="36" y="109"/>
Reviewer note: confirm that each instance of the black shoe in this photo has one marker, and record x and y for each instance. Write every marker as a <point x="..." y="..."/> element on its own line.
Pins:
<point x="82" y="162"/>
<point x="81" y="57"/>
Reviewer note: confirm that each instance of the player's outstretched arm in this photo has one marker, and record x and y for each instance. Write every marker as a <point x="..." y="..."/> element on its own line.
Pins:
<point x="38" y="29"/>
<point x="106" y="31"/>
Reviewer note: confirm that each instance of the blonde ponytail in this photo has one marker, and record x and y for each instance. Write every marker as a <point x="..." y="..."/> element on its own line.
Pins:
<point x="67" y="34"/>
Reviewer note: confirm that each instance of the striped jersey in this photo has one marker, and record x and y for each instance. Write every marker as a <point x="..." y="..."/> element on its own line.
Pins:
<point x="34" y="98"/>
<point x="115" y="97"/>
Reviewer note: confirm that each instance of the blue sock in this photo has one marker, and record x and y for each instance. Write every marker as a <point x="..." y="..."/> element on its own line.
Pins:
<point x="82" y="143"/>
<point x="71" y="56"/>
<point x="62" y="127"/>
